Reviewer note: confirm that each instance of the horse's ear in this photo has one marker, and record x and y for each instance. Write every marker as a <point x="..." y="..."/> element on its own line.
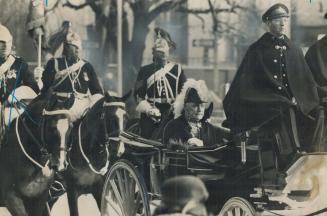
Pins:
<point x="127" y="95"/>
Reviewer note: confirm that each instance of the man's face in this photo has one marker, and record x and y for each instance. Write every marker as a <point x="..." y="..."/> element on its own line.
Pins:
<point x="194" y="111"/>
<point x="278" y="26"/>
<point x="72" y="51"/>
<point x="161" y="49"/>
<point x="5" y="48"/>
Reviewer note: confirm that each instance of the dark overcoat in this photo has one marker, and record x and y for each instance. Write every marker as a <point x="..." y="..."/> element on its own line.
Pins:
<point x="268" y="82"/>
<point x="316" y="58"/>
<point x="179" y="131"/>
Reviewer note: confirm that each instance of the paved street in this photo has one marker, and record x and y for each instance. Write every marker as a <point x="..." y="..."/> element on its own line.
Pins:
<point x="87" y="207"/>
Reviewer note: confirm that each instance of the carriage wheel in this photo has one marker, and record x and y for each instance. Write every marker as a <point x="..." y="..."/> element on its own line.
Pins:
<point x="237" y="206"/>
<point x="124" y="192"/>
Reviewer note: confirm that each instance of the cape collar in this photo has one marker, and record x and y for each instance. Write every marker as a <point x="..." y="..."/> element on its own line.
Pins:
<point x="269" y="39"/>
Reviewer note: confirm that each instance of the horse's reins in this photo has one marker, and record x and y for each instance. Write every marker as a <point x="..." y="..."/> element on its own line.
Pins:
<point x="42" y="149"/>
<point x="104" y="169"/>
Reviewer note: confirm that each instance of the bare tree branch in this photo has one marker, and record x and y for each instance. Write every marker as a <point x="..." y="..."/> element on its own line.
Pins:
<point x="164" y="7"/>
<point x="76" y="7"/>
<point x="53" y="7"/>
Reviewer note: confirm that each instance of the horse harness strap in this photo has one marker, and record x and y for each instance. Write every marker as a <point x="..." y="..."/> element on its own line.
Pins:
<point x="104" y="169"/>
<point x="24" y="151"/>
<point x="42" y="149"/>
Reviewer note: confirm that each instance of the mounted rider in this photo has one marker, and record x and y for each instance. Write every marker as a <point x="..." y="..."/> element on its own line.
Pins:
<point x="190" y="126"/>
<point x="14" y="73"/>
<point x="158" y="84"/>
<point x="69" y="81"/>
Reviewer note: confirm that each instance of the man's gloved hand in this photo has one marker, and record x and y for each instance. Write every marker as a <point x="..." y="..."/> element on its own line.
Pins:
<point x="38" y="71"/>
<point x="154" y="114"/>
<point x="195" y="142"/>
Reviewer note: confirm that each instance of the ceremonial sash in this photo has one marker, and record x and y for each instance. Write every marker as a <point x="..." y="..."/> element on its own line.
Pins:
<point x="63" y="74"/>
<point x="7" y="65"/>
<point x="159" y="74"/>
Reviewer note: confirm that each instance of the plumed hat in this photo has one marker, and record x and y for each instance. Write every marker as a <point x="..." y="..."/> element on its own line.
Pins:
<point x="192" y="91"/>
<point x="275" y="11"/>
<point x="162" y="34"/>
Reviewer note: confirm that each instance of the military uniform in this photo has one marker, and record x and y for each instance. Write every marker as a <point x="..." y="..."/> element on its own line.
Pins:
<point x="272" y="86"/>
<point x="13" y="74"/>
<point x="63" y="78"/>
<point x="159" y="88"/>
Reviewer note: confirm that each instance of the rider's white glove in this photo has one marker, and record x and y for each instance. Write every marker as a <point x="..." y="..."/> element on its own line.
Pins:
<point x="195" y="142"/>
<point x="154" y="114"/>
<point x="38" y="71"/>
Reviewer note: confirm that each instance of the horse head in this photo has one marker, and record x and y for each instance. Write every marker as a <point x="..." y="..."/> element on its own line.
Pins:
<point x="104" y="120"/>
<point x="55" y="131"/>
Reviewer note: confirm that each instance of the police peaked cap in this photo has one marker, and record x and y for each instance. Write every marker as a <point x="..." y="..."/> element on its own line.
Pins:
<point x="5" y="35"/>
<point x="165" y="35"/>
<point x="276" y="11"/>
<point x="182" y="189"/>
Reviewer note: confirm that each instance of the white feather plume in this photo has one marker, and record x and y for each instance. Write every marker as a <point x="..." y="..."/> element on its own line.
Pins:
<point x="201" y="88"/>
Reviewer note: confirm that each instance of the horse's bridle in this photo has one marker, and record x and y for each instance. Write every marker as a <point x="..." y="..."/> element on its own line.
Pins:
<point x="104" y="169"/>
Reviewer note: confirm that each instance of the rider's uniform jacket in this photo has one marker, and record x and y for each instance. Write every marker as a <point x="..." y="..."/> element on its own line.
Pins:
<point x="14" y="72"/>
<point x="317" y="60"/>
<point x="70" y="77"/>
<point x="272" y="77"/>
<point x="159" y="85"/>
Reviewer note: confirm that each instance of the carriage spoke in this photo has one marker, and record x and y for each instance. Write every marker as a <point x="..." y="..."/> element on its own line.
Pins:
<point x="117" y="195"/>
<point x="120" y="180"/>
<point x="128" y="181"/>
<point x="229" y="213"/>
<point x="237" y="211"/>
<point x="137" y="204"/>
<point x="114" y="207"/>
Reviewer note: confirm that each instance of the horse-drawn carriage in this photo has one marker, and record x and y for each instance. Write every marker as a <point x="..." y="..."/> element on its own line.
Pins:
<point x="242" y="180"/>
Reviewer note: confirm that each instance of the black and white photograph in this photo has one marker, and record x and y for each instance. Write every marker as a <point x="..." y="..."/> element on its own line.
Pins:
<point x="163" y="107"/>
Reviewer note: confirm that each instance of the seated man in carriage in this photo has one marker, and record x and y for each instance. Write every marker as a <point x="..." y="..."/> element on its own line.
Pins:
<point x="157" y="85"/>
<point x="190" y="126"/>
<point x="272" y="89"/>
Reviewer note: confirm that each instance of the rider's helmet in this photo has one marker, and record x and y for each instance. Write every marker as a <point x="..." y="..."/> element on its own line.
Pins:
<point x="6" y="38"/>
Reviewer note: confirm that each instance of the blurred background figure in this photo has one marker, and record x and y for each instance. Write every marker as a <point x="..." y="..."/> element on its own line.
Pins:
<point x="182" y="196"/>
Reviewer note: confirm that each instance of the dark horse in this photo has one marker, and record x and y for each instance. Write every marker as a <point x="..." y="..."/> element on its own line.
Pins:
<point x="89" y="155"/>
<point x="33" y="149"/>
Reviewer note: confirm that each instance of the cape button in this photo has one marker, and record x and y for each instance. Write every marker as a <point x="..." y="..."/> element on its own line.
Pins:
<point x="275" y="60"/>
<point x="279" y="88"/>
<point x="275" y="76"/>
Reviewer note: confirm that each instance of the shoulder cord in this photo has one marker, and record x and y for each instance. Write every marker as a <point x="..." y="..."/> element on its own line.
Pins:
<point x="73" y="79"/>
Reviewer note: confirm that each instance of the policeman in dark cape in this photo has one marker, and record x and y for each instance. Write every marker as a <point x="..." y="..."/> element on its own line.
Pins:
<point x="272" y="87"/>
<point x="157" y="85"/>
<point x="316" y="58"/>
